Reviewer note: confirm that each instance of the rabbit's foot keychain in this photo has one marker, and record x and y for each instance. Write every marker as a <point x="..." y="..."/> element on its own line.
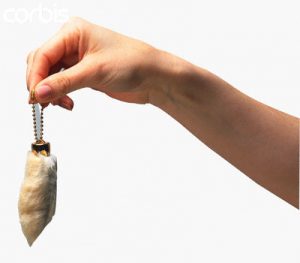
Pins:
<point x="37" y="199"/>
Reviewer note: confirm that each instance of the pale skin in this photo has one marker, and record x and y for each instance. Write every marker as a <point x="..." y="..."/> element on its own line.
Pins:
<point x="259" y="140"/>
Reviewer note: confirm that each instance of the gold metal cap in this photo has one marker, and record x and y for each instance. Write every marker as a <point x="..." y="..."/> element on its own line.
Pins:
<point x="41" y="147"/>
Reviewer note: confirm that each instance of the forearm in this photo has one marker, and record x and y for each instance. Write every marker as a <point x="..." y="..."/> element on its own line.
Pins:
<point x="260" y="141"/>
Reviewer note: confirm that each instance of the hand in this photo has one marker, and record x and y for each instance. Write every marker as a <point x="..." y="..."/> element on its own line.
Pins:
<point x="82" y="55"/>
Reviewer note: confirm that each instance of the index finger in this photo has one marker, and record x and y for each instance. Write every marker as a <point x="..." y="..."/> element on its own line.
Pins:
<point x="44" y="58"/>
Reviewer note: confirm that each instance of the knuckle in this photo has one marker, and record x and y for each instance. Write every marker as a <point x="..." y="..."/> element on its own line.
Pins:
<point x="74" y="25"/>
<point x="30" y="56"/>
<point x="73" y="21"/>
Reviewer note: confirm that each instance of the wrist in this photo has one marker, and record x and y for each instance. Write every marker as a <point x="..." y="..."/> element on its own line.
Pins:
<point x="175" y="81"/>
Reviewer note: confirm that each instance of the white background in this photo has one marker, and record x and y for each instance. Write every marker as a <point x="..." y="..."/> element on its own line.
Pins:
<point x="134" y="185"/>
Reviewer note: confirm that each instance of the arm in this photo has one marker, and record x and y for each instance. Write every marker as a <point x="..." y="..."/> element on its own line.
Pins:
<point x="260" y="141"/>
<point x="257" y="139"/>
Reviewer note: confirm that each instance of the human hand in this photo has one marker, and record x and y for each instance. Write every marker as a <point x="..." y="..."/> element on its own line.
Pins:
<point x="82" y="55"/>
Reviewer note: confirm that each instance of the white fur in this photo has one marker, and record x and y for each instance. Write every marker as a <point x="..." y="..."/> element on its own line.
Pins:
<point x="37" y="199"/>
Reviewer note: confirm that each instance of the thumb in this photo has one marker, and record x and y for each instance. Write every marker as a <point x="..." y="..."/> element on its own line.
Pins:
<point x="62" y="83"/>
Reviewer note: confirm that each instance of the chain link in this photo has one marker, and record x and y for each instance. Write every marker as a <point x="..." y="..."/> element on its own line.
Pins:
<point x="35" y="124"/>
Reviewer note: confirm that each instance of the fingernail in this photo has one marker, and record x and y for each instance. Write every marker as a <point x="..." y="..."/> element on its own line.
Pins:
<point x="31" y="97"/>
<point x="43" y="92"/>
<point x="44" y="105"/>
<point x="66" y="106"/>
<point x="31" y="101"/>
